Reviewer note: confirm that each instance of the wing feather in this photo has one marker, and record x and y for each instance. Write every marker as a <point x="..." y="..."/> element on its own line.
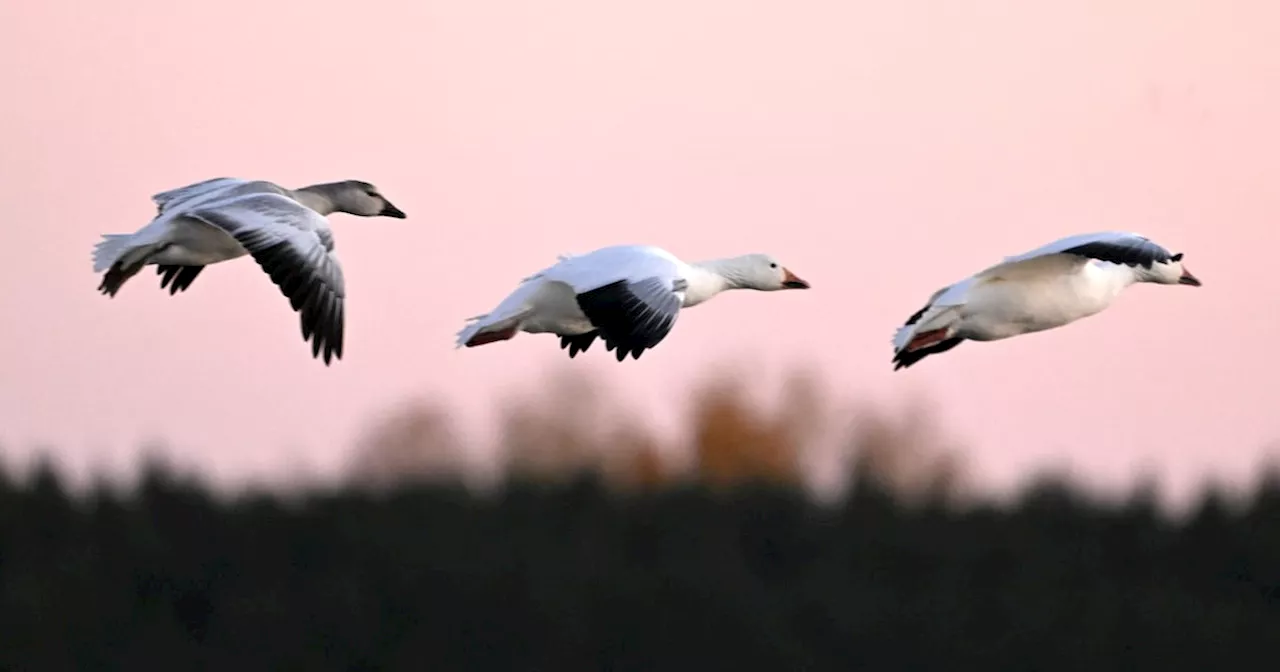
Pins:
<point x="287" y="240"/>
<point x="171" y="198"/>
<point x="1117" y="247"/>
<point x="632" y="316"/>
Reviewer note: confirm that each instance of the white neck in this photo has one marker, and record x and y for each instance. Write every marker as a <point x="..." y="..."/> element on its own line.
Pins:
<point x="708" y="278"/>
<point x="1111" y="279"/>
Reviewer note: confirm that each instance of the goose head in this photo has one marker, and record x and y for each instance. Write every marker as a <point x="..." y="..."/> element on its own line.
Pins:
<point x="1172" y="272"/>
<point x="764" y="273"/>
<point x="361" y="199"/>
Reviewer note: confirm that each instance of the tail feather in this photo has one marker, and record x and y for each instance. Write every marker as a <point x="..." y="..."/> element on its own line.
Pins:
<point x="929" y="331"/>
<point x="504" y="320"/>
<point x="109" y="250"/>
<point x="489" y="329"/>
<point x="481" y="332"/>
<point x="474" y="325"/>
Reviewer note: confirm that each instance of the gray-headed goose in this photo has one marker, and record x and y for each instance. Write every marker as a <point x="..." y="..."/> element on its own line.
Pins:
<point x="286" y="232"/>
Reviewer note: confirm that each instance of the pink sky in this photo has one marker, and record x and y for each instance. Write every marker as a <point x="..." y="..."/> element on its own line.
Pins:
<point x="880" y="150"/>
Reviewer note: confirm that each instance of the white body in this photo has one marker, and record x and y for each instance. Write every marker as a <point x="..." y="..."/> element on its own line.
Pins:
<point x="655" y="285"/>
<point x="545" y="301"/>
<point x="1045" y="288"/>
<point x="1034" y="298"/>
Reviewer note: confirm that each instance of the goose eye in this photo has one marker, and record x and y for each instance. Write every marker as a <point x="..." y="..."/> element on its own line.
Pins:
<point x="774" y="265"/>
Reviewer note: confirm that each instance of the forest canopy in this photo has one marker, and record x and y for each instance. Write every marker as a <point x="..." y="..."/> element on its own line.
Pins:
<point x="592" y="555"/>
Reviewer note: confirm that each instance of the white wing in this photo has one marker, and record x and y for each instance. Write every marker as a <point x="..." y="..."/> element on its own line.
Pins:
<point x="585" y="272"/>
<point x="168" y="199"/>
<point x="1117" y="247"/>
<point x="294" y="245"/>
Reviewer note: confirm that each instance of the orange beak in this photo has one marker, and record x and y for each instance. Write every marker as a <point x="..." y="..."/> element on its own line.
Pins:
<point x="790" y="281"/>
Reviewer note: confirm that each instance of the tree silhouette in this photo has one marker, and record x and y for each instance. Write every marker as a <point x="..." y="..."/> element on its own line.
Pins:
<point x="602" y="554"/>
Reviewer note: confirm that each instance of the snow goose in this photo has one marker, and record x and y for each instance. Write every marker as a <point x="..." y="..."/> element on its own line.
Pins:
<point x="286" y="232"/>
<point x="627" y="295"/>
<point x="1042" y="289"/>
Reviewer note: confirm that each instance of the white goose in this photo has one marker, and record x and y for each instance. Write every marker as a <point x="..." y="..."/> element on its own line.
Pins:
<point x="627" y="295"/>
<point x="1045" y="288"/>
<point x="285" y="230"/>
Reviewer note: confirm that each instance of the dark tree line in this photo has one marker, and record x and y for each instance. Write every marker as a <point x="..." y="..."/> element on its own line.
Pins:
<point x="574" y="577"/>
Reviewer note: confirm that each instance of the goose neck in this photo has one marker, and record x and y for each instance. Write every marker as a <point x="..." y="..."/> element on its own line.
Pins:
<point x="707" y="279"/>
<point x="1111" y="279"/>
<point x="317" y="197"/>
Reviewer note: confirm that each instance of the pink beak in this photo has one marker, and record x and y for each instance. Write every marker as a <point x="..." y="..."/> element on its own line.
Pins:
<point x="790" y="281"/>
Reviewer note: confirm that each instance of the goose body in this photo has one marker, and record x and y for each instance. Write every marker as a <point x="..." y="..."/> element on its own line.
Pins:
<point x="629" y="296"/>
<point x="1048" y="287"/>
<point x="286" y="231"/>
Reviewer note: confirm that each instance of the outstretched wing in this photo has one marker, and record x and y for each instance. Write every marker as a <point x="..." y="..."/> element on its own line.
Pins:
<point x="1117" y="247"/>
<point x="168" y="199"/>
<point x="578" y="343"/>
<point x="177" y="278"/>
<point x="632" y="315"/>
<point x="631" y="293"/>
<point x="293" y="245"/>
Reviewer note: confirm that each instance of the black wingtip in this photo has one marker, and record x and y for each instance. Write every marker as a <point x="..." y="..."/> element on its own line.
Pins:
<point x="625" y="324"/>
<point x="578" y="343"/>
<point x="319" y="307"/>
<point x="177" y="278"/>
<point x="1145" y="253"/>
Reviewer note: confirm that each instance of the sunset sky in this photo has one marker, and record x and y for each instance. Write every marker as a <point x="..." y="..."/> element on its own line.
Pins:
<point x="879" y="149"/>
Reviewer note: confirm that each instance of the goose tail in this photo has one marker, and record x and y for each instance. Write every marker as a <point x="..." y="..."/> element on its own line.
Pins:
<point x="474" y="325"/>
<point x="110" y="249"/>
<point x="483" y="330"/>
<point x="929" y="332"/>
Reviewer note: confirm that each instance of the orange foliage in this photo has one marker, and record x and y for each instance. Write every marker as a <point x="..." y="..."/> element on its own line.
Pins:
<point x="573" y="429"/>
<point x="735" y="442"/>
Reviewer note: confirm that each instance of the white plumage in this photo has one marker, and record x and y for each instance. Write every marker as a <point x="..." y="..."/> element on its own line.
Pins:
<point x="1048" y="287"/>
<point x="629" y="296"/>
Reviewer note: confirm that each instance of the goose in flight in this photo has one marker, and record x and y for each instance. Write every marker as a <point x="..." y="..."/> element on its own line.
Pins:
<point x="627" y="296"/>
<point x="1048" y="287"/>
<point x="286" y="231"/>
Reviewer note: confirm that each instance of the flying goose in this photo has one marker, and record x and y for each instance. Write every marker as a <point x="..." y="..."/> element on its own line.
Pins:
<point x="1048" y="287"/>
<point x="627" y="295"/>
<point x="286" y="232"/>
